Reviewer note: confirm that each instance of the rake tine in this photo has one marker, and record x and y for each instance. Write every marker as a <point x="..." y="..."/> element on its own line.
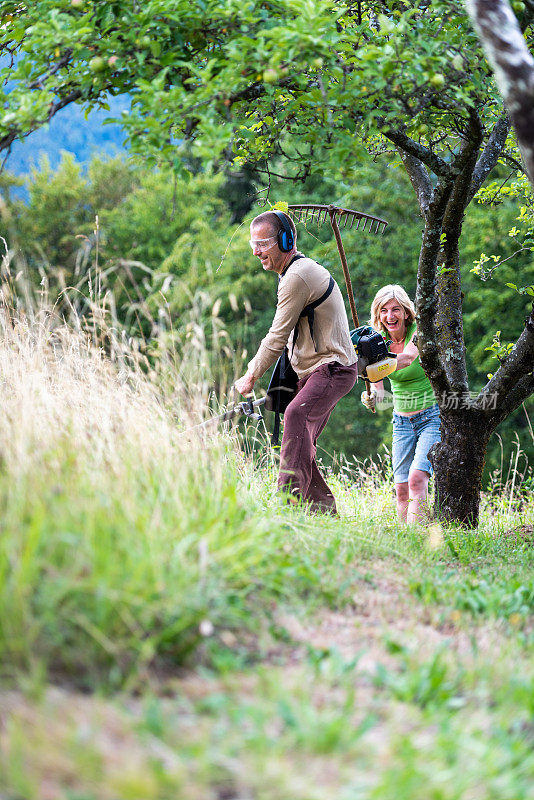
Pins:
<point x="342" y="217"/>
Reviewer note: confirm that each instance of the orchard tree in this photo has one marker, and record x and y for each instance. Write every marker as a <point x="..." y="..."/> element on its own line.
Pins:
<point x="305" y="86"/>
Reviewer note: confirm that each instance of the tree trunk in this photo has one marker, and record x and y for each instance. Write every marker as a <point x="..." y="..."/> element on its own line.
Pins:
<point x="458" y="461"/>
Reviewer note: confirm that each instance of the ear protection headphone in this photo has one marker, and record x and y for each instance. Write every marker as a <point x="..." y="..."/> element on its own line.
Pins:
<point x="285" y="236"/>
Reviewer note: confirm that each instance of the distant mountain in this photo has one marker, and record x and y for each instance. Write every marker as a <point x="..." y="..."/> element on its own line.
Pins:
<point x="70" y="131"/>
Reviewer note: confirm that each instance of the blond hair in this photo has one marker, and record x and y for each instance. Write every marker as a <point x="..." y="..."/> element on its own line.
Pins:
<point x="391" y="292"/>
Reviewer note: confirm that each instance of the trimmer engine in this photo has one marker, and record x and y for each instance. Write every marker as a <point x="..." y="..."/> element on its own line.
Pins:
<point x="374" y="359"/>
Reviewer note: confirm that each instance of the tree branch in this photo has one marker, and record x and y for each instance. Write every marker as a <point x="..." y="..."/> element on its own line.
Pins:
<point x="255" y="90"/>
<point x="464" y="166"/>
<point x="449" y="320"/>
<point x="426" y="295"/>
<point x="418" y="151"/>
<point x="491" y="154"/>
<point x="511" y="400"/>
<point x="515" y="371"/>
<point x="419" y="178"/>
<point x="7" y="140"/>
<point x="62" y="62"/>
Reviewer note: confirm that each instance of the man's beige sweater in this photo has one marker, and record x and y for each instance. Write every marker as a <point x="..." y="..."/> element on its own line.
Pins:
<point x="303" y="283"/>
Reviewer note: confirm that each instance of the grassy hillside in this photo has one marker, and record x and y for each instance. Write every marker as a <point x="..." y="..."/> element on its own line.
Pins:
<point x="168" y="630"/>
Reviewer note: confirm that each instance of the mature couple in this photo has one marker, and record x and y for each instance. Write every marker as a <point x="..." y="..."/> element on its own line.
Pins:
<point x="322" y="355"/>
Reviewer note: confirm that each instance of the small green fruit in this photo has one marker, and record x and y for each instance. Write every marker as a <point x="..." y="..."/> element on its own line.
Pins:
<point x="97" y="64"/>
<point x="518" y="6"/>
<point x="270" y="75"/>
<point x="437" y="80"/>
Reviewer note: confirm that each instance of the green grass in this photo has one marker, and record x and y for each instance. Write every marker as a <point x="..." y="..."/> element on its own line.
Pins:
<point x="168" y="630"/>
<point x="123" y="539"/>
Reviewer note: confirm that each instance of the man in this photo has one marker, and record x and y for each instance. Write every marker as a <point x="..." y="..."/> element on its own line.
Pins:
<point x="322" y="353"/>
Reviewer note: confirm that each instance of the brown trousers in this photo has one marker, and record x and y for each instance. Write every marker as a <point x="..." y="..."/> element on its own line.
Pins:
<point x="304" y="420"/>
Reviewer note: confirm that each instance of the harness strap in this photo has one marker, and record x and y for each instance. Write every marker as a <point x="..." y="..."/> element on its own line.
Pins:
<point x="309" y="312"/>
<point x="275" y="436"/>
<point x="284" y="364"/>
<point x="295" y="258"/>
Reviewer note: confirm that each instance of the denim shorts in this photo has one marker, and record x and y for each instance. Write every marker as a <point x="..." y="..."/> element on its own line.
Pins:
<point x="412" y="439"/>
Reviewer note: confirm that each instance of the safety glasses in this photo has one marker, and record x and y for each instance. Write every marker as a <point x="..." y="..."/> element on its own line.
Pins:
<point x="262" y="244"/>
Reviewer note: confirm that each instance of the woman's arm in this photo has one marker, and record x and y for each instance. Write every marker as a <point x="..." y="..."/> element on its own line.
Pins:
<point x="378" y="389"/>
<point x="408" y="355"/>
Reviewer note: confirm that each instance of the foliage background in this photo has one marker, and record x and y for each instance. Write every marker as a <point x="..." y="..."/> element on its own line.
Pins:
<point x="173" y="259"/>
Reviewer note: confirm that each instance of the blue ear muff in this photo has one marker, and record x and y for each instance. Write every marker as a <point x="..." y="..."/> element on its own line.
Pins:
<point x="286" y="240"/>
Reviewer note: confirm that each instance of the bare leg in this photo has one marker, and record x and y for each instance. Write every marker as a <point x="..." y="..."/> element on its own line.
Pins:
<point x="403" y="499"/>
<point x="418" y="491"/>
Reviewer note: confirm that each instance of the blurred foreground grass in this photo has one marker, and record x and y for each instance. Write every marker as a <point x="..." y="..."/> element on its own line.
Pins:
<point x="167" y="630"/>
<point x="120" y="534"/>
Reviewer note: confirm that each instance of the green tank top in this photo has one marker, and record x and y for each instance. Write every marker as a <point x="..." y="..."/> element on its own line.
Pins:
<point x="411" y="388"/>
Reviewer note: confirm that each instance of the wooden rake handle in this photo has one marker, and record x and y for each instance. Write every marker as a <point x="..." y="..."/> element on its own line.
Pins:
<point x="335" y="227"/>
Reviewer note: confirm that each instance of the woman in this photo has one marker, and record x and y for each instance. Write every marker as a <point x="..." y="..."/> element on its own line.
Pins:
<point x="416" y="421"/>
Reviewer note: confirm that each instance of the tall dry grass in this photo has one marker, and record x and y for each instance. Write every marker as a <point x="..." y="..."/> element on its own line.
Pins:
<point x="125" y="539"/>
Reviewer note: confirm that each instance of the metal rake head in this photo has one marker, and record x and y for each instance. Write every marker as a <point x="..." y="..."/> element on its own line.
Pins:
<point x="345" y="217"/>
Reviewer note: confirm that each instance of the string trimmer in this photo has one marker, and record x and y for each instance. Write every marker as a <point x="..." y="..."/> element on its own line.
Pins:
<point x="374" y="360"/>
<point x="246" y="408"/>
